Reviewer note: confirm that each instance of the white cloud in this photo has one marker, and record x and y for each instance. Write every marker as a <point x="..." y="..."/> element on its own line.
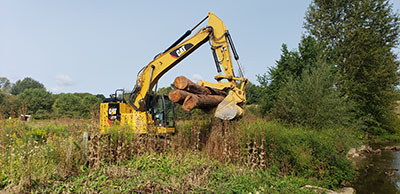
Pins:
<point x="196" y="77"/>
<point x="64" y="80"/>
<point x="56" y="90"/>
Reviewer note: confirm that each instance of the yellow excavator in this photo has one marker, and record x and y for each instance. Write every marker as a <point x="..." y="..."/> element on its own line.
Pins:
<point x="146" y="112"/>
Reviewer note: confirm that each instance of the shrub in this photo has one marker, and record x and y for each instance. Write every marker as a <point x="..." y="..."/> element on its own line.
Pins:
<point x="314" y="101"/>
<point x="298" y="151"/>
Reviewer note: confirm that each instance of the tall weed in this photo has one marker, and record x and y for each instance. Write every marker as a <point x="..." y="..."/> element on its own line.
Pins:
<point x="47" y="152"/>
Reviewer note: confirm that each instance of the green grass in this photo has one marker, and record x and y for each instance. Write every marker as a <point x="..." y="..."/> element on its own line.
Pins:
<point x="175" y="172"/>
<point x="205" y="156"/>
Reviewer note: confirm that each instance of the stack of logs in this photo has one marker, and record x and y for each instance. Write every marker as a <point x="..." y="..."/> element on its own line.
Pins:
<point x="191" y="95"/>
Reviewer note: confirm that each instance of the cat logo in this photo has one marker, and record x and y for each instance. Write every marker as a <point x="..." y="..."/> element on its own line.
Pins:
<point x="112" y="111"/>
<point x="179" y="51"/>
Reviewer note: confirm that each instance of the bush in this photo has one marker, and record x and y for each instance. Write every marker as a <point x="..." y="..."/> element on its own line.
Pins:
<point x="298" y="151"/>
<point x="314" y="101"/>
<point x="286" y="151"/>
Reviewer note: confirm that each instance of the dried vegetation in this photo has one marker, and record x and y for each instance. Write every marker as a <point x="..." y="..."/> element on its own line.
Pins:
<point x="206" y="155"/>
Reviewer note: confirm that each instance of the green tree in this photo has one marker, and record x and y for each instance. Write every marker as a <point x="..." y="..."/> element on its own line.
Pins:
<point x="253" y="94"/>
<point x="26" y="83"/>
<point x="100" y="96"/>
<point x="82" y="95"/>
<point x="291" y="64"/>
<point x="36" y="99"/>
<point x="360" y="36"/>
<point x="5" y="85"/>
<point x="10" y="106"/>
<point x="1" y="98"/>
<point x="165" y="90"/>
<point x="67" y="105"/>
<point x="312" y="100"/>
<point x="88" y="103"/>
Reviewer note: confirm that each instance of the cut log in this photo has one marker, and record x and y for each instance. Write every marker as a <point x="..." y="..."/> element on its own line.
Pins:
<point x="178" y="96"/>
<point x="192" y="95"/>
<point x="201" y="101"/>
<point x="217" y="92"/>
<point x="184" y="83"/>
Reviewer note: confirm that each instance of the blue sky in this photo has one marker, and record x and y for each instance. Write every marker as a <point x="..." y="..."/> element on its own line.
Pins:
<point x="99" y="46"/>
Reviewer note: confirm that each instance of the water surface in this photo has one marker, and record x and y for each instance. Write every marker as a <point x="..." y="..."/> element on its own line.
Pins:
<point x="379" y="173"/>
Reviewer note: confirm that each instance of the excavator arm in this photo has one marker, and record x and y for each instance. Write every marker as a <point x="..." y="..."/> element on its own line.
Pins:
<point x="221" y="45"/>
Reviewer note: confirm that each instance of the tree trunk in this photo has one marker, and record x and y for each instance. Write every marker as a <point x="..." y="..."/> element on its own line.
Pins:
<point x="201" y="101"/>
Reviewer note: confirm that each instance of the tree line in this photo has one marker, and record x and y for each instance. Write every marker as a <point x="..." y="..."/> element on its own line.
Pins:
<point x="28" y="96"/>
<point x="344" y="72"/>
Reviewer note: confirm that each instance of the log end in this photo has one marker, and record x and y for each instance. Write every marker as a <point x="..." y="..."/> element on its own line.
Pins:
<point x="181" y="82"/>
<point x="174" y="96"/>
<point x="190" y="103"/>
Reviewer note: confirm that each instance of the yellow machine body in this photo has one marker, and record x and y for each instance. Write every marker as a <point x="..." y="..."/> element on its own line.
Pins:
<point x="131" y="120"/>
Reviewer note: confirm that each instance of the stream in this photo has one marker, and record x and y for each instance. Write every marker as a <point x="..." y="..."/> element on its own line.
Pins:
<point x="379" y="173"/>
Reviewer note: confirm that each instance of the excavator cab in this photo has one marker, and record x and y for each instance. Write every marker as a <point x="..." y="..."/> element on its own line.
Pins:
<point x="161" y="110"/>
<point x="118" y="96"/>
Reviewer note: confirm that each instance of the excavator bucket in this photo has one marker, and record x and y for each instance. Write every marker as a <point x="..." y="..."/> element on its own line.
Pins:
<point x="228" y="109"/>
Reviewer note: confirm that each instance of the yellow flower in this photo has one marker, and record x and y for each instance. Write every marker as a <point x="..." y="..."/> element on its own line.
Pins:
<point x="18" y="141"/>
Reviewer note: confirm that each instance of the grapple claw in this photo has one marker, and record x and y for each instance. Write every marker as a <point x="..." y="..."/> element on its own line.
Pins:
<point x="228" y="109"/>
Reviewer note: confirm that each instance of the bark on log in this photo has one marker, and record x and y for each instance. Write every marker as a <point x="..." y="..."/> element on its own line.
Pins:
<point x="178" y="96"/>
<point x="184" y="83"/>
<point x="201" y="101"/>
<point x="217" y="92"/>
